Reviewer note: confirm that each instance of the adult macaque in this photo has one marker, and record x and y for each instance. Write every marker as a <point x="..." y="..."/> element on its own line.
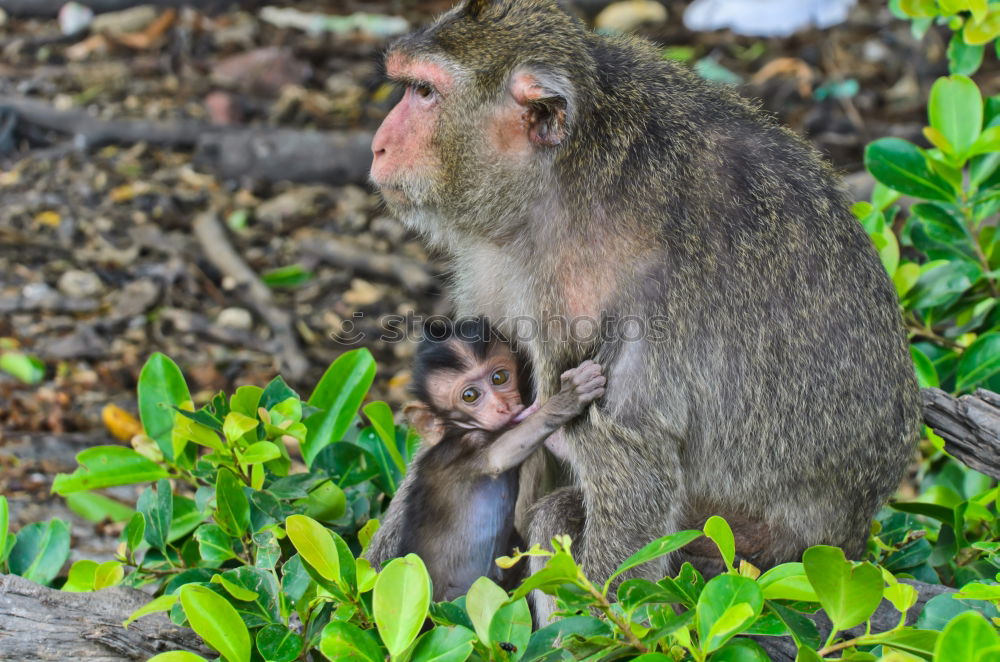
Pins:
<point x="455" y="507"/>
<point x="574" y="177"/>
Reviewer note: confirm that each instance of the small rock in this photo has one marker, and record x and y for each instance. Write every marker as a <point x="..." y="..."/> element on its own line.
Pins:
<point x="626" y="16"/>
<point x="362" y="293"/>
<point x="264" y="71"/>
<point x="80" y="284"/>
<point x="297" y="201"/>
<point x="136" y="298"/>
<point x="235" y="318"/>
<point x="238" y="29"/>
<point x="125" y="21"/>
<point x="223" y="108"/>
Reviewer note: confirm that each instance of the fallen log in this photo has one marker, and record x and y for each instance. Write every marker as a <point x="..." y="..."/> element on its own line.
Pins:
<point x="969" y="425"/>
<point x="39" y="623"/>
<point x="231" y="152"/>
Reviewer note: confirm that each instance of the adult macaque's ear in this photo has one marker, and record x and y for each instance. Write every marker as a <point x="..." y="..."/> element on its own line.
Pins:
<point x="424" y="421"/>
<point x="547" y="103"/>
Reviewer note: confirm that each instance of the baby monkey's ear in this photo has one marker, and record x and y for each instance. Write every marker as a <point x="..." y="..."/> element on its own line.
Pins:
<point x="427" y="424"/>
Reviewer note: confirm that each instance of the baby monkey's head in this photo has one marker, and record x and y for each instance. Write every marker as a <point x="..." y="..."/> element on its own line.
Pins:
<point x="465" y="375"/>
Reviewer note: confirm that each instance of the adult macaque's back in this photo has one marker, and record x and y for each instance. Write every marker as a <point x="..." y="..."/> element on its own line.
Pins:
<point x="757" y="366"/>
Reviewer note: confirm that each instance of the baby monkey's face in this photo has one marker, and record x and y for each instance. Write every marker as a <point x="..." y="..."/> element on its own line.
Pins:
<point x="482" y="393"/>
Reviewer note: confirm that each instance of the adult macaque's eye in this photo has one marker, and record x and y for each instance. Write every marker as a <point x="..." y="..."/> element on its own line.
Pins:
<point x="470" y="395"/>
<point x="500" y="377"/>
<point x="423" y="90"/>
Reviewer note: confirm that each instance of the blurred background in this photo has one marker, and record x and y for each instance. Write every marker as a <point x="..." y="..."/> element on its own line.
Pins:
<point x="190" y="178"/>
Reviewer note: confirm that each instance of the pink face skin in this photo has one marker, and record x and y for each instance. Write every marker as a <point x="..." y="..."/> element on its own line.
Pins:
<point x="486" y="393"/>
<point x="401" y="148"/>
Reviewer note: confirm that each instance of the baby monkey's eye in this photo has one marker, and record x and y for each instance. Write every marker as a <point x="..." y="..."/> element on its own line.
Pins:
<point x="500" y="377"/>
<point x="470" y="394"/>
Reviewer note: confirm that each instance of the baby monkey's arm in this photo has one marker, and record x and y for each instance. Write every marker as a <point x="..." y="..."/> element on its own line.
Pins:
<point x="580" y="386"/>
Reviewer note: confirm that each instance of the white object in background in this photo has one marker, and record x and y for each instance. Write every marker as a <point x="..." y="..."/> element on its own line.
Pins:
<point x="74" y="17"/>
<point x="765" y="18"/>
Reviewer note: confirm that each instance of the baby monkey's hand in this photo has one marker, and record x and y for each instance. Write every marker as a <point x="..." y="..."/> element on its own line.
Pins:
<point x="580" y="386"/>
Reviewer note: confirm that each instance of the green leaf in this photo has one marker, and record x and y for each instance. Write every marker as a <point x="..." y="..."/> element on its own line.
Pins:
<point x="727" y="604"/>
<point x="849" y="595"/>
<point x="97" y="507"/>
<point x="927" y="376"/>
<point x="918" y="8"/>
<point x="245" y="400"/>
<point x="956" y="110"/>
<point x="315" y="545"/>
<point x="741" y="650"/>
<point x="654" y="550"/>
<point x="787" y="581"/>
<point x="551" y="636"/>
<point x="107" y="466"/>
<point x="40" y="551"/>
<point x="984" y="31"/>
<point x="289" y="276"/>
<point x="234" y="589"/>
<point x="161" y="388"/>
<point x="803" y="629"/>
<point x="558" y="570"/>
<point x="342" y="641"/>
<point x="963" y="58"/>
<point x="236" y="425"/>
<point x="979" y="362"/>
<point x="24" y="367"/>
<point x="901" y="166"/>
<point x="942" y="284"/>
<point x="4" y="527"/>
<point x="718" y="530"/>
<point x="444" y="644"/>
<point x="216" y="621"/>
<point x="988" y="141"/>
<point x="964" y="636"/>
<point x="162" y="603"/>
<point x="482" y="602"/>
<point x="233" y="509"/>
<point x="940" y="609"/>
<point x="380" y="416"/>
<point x="262" y="451"/>
<point x="177" y="656"/>
<point x="338" y="395"/>
<point x="276" y="643"/>
<point x="400" y="600"/>
<point x="81" y="576"/>
<point x="157" y="507"/>
<point x="133" y="533"/>
<point x="511" y="624"/>
<point x="326" y="502"/>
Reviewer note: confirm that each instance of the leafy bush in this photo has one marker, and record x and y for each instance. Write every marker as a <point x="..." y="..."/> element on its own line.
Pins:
<point x="944" y="257"/>
<point x="263" y="562"/>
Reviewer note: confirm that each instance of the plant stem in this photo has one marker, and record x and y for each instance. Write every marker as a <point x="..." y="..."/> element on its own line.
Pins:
<point x="605" y="607"/>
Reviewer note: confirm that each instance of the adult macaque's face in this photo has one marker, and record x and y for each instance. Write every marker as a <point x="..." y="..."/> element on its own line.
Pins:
<point x="404" y="161"/>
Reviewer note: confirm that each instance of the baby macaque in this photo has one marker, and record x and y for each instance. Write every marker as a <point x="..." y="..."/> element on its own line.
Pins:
<point x="455" y="508"/>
